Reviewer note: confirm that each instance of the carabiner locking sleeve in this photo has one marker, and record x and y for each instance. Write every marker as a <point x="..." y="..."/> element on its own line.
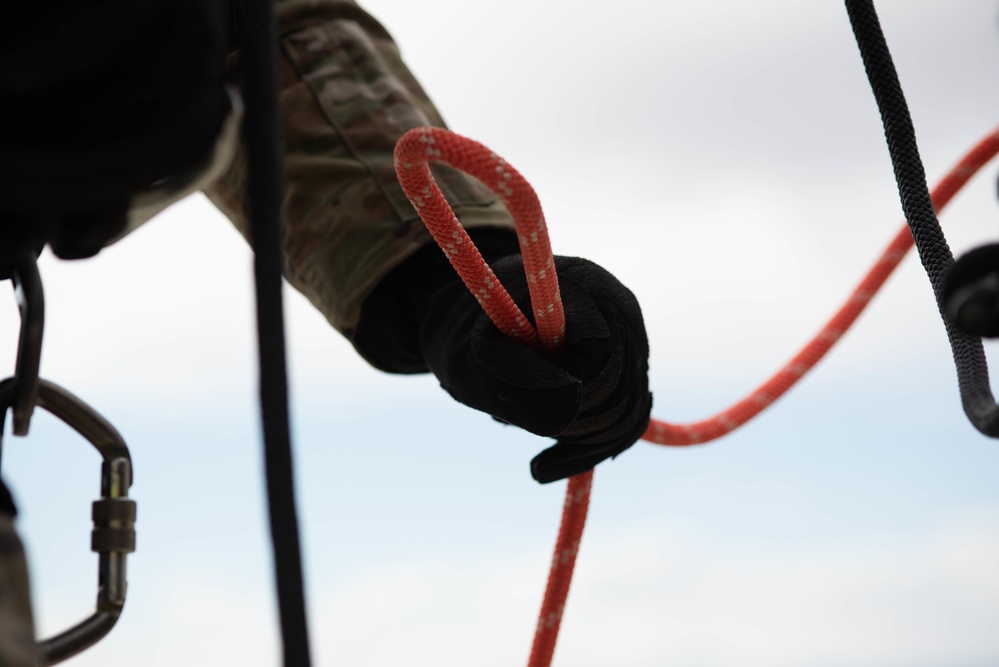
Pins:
<point x="113" y="536"/>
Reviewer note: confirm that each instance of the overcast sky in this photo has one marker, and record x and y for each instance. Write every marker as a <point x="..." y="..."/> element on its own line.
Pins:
<point x="723" y="159"/>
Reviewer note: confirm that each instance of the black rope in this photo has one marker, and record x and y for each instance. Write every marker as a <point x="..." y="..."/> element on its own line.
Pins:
<point x="934" y="253"/>
<point x="259" y="59"/>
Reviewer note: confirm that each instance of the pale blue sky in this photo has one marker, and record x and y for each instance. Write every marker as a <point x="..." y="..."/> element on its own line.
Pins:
<point x="737" y="150"/>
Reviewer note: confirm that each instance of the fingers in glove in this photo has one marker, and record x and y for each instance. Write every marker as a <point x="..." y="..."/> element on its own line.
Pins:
<point x="485" y="370"/>
<point x="565" y="459"/>
<point x="594" y="396"/>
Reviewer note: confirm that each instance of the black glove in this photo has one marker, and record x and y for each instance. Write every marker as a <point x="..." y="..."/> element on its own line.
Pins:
<point x="594" y="398"/>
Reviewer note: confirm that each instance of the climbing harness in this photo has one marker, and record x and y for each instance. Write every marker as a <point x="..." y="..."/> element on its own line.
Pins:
<point x="113" y="535"/>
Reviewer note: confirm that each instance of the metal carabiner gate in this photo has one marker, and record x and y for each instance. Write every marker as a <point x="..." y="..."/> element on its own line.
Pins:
<point x="113" y="536"/>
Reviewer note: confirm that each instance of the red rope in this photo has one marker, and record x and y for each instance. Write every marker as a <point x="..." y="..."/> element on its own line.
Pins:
<point x="423" y="145"/>
<point x="570" y="532"/>
<point x="432" y="144"/>
<point x="706" y="430"/>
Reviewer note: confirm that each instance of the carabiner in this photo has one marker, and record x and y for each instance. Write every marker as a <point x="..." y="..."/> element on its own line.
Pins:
<point x="113" y="536"/>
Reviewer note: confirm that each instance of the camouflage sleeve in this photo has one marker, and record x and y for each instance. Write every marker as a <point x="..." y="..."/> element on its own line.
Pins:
<point x="346" y="97"/>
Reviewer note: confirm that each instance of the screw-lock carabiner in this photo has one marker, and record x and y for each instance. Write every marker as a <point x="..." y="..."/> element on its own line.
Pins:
<point x="113" y="536"/>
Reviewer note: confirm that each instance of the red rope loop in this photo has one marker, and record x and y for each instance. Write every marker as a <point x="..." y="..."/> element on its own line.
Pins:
<point x="423" y="145"/>
<point x="414" y="151"/>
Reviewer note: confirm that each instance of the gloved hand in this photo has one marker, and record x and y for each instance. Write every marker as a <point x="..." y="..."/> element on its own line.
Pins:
<point x="594" y="398"/>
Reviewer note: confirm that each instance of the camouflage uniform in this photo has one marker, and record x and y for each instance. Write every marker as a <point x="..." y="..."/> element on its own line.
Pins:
<point x="346" y="97"/>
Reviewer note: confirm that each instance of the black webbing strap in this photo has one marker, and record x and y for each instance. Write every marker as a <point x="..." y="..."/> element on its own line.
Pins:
<point x="969" y="356"/>
<point x="259" y="57"/>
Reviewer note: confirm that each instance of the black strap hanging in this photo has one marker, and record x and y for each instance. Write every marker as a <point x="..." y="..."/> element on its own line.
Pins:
<point x="259" y="55"/>
<point x="969" y="356"/>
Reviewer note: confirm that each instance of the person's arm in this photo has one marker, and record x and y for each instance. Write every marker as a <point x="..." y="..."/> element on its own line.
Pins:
<point x="356" y="248"/>
<point x="346" y="97"/>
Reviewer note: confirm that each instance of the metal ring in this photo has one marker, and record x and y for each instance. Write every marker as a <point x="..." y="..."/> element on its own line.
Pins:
<point x="114" y="515"/>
